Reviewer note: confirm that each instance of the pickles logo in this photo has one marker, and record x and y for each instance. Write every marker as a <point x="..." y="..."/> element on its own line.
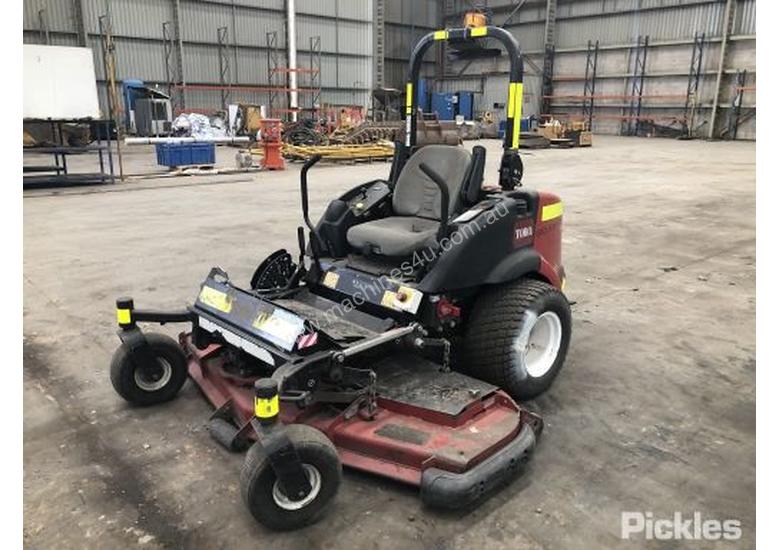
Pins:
<point x="644" y="525"/>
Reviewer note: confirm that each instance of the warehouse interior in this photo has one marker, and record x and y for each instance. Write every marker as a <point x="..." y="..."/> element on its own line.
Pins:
<point x="680" y="53"/>
<point x="185" y="151"/>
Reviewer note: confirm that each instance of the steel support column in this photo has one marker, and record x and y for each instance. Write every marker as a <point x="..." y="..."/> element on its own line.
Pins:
<point x="234" y="72"/>
<point x="274" y="76"/>
<point x="315" y="74"/>
<point x="224" y="67"/>
<point x="108" y="50"/>
<point x="694" y="77"/>
<point x="379" y="43"/>
<point x="81" y="27"/>
<point x="736" y="105"/>
<point x="728" y="16"/>
<point x="168" y="48"/>
<point x="179" y="53"/>
<point x="589" y="89"/>
<point x="549" y="57"/>
<point x="43" y="28"/>
<point x="292" y="60"/>
<point x="631" y="124"/>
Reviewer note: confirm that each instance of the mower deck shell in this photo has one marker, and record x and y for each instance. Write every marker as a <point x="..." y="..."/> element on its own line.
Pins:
<point x="451" y="425"/>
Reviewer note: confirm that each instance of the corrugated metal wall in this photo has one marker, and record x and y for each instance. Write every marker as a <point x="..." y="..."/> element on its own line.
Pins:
<point x="406" y="21"/>
<point x="344" y="27"/>
<point x="670" y="24"/>
<point x="347" y="35"/>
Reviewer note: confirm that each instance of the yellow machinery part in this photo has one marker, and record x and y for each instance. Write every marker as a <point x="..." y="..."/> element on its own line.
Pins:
<point x="378" y="150"/>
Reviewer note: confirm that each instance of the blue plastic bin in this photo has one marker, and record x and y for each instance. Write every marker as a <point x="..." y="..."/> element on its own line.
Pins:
<point x="183" y="154"/>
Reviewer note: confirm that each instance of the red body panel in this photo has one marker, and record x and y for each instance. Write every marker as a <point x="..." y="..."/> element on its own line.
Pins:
<point x="547" y="241"/>
<point x="399" y="442"/>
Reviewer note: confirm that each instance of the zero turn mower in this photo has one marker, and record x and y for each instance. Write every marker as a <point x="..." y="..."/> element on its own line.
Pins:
<point x="421" y="309"/>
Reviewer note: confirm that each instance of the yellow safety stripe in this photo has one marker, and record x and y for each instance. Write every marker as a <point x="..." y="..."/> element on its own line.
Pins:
<point x="552" y="211"/>
<point x="510" y="107"/>
<point x="478" y="31"/>
<point x="518" y="114"/>
<point x="123" y="316"/>
<point x="514" y="110"/>
<point x="441" y="35"/>
<point x="409" y="97"/>
<point x="515" y="104"/>
<point x="266" y="408"/>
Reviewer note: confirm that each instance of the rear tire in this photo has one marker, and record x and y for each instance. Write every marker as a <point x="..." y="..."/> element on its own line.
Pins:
<point x="517" y="337"/>
<point x="150" y="384"/>
<point x="260" y="489"/>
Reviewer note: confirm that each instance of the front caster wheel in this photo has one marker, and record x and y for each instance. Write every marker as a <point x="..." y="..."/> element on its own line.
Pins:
<point x="263" y="494"/>
<point x="154" y="383"/>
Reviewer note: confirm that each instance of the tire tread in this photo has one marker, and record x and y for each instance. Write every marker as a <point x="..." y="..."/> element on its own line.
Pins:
<point x="122" y="378"/>
<point x="306" y="439"/>
<point x="492" y="327"/>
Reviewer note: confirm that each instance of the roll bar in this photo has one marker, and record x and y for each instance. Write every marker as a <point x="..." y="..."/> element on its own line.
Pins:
<point x="514" y="106"/>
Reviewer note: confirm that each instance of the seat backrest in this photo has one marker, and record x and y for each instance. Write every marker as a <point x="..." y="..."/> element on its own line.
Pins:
<point x="416" y="195"/>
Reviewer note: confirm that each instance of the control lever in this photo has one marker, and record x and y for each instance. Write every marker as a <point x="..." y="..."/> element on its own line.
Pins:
<point x="305" y="190"/>
<point x="301" y="245"/>
<point x="317" y="245"/>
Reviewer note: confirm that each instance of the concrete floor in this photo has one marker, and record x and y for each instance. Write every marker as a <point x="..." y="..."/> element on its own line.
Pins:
<point x="654" y="411"/>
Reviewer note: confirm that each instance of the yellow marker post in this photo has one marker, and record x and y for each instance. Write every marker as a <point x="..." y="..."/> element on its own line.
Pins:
<point x="123" y="316"/>
<point x="267" y="400"/>
<point x="124" y="312"/>
<point x="266" y="408"/>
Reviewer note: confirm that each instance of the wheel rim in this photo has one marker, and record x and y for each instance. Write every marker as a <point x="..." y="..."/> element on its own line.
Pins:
<point x="315" y="480"/>
<point x="153" y="378"/>
<point x="538" y="345"/>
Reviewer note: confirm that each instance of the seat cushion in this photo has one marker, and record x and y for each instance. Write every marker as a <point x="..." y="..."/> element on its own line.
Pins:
<point x="416" y="194"/>
<point x="394" y="236"/>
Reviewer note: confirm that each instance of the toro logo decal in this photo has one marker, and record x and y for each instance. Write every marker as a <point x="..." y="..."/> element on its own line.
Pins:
<point x="523" y="232"/>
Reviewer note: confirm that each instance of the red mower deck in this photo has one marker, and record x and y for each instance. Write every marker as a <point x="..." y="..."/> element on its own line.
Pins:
<point x="428" y="423"/>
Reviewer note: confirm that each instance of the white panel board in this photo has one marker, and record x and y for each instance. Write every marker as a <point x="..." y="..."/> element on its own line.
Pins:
<point x="59" y="82"/>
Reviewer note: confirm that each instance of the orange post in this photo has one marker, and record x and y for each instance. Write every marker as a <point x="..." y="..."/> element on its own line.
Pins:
<point x="271" y="135"/>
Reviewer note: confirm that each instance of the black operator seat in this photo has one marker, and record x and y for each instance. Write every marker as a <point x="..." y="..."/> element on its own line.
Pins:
<point x="417" y="202"/>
